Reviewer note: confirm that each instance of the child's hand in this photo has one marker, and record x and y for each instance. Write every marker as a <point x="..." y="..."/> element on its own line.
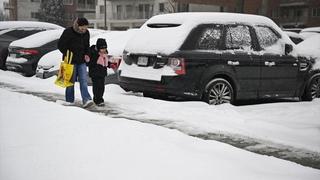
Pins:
<point x="86" y="58"/>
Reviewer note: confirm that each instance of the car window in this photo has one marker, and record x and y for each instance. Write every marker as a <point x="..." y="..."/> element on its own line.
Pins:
<point x="238" y="37"/>
<point x="266" y="36"/>
<point x="210" y="38"/>
<point x="20" y="33"/>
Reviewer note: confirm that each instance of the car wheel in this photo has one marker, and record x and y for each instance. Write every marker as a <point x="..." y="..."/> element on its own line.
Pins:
<point x="219" y="91"/>
<point x="313" y="89"/>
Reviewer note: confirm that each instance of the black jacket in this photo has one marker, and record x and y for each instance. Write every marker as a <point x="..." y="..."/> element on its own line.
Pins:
<point x="75" y="42"/>
<point x="96" y="70"/>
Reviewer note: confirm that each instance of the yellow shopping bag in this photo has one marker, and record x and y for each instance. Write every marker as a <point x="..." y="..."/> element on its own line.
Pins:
<point x="64" y="78"/>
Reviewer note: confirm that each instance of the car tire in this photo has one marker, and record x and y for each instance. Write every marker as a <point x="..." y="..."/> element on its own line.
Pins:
<point x="312" y="90"/>
<point x="219" y="91"/>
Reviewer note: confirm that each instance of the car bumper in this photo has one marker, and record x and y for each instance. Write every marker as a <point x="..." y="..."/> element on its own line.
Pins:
<point x="20" y="65"/>
<point x="176" y="86"/>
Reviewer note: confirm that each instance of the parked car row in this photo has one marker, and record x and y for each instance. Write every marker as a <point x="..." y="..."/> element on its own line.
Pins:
<point x="214" y="57"/>
<point x="14" y="30"/>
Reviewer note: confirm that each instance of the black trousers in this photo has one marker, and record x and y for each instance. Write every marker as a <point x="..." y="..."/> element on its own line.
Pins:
<point x="98" y="89"/>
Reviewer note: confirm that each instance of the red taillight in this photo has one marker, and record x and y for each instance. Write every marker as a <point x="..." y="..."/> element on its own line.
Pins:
<point x="178" y="65"/>
<point x="28" y="52"/>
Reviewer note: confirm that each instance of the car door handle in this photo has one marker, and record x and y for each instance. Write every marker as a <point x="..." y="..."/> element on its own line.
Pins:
<point x="269" y="63"/>
<point x="233" y="63"/>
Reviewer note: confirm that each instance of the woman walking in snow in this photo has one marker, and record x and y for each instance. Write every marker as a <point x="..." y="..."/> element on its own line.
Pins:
<point x="76" y="40"/>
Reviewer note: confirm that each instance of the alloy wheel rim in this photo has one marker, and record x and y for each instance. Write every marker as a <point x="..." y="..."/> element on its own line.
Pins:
<point x="315" y="88"/>
<point x="220" y="93"/>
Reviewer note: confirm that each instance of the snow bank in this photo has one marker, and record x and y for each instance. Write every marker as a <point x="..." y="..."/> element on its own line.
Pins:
<point x="44" y="140"/>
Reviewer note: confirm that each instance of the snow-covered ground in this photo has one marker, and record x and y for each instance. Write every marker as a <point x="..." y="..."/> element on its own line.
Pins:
<point x="288" y="123"/>
<point x="45" y="140"/>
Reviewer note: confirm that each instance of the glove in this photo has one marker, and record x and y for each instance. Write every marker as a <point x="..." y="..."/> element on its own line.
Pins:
<point x="113" y="66"/>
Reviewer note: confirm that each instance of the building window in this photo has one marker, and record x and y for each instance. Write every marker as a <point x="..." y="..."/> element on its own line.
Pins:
<point x="91" y="4"/>
<point x="275" y="13"/>
<point x="315" y="12"/>
<point x="119" y="12"/>
<point x="102" y="9"/>
<point x="161" y="7"/>
<point x="221" y="9"/>
<point x="183" y="7"/>
<point x="145" y="11"/>
<point x="35" y="15"/>
<point x="67" y="2"/>
<point x="129" y="12"/>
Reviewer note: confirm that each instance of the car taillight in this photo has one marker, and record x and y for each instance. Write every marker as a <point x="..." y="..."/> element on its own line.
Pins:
<point x="28" y="52"/>
<point x="178" y="65"/>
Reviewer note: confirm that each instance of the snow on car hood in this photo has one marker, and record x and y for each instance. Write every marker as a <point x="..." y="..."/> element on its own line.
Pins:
<point x="38" y="39"/>
<point x="51" y="59"/>
<point x="116" y="40"/>
<point x="310" y="48"/>
<point x="166" y="40"/>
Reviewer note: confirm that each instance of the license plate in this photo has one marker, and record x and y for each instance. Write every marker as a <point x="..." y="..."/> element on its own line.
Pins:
<point x="142" y="61"/>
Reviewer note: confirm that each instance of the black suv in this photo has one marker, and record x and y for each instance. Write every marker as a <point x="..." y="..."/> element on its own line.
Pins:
<point x="216" y="57"/>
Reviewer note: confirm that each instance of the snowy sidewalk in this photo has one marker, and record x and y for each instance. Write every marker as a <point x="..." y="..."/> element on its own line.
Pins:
<point x="44" y="140"/>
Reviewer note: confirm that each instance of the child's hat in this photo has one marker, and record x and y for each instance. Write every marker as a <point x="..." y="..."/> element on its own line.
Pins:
<point x="101" y="43"/>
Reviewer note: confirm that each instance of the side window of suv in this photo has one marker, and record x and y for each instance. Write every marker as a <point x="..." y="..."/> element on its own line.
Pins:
<point x="238" y="37"/>
<point x="266" y="36"/>
<point x="210" y="38"/>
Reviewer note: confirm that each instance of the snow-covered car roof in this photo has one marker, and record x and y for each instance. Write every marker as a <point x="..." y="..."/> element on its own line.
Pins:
<point x="311" y="29"/>
<point x="38" y="39"/>
<point x="27" y="24"/>
<point x="164" y="34"/>
<point x="116" y="40"/>
<point x="308" y="32"/>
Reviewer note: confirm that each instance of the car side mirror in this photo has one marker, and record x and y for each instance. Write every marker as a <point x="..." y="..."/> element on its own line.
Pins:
<point x="288" y="49"/>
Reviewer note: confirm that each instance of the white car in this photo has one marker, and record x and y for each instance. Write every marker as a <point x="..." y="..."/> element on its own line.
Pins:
<point x="25" y="53"/>
<point x="295" y="37"/>
<point x="308" y="32"/>
<point x="311" y="48"/>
